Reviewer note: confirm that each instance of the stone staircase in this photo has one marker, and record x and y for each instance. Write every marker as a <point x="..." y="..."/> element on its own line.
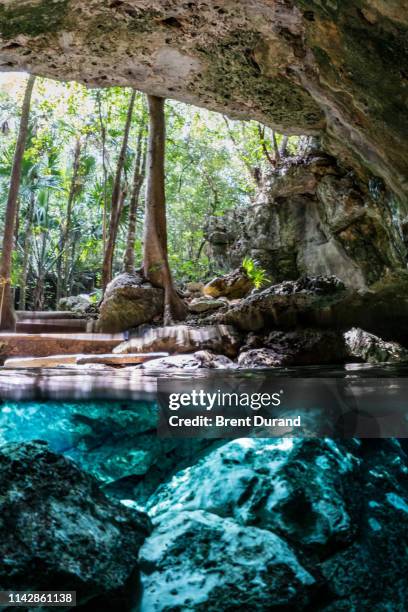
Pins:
<point x="53" y="322"/>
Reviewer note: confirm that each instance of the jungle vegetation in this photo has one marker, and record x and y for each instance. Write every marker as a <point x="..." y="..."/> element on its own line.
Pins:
<point x="87" y="190"/>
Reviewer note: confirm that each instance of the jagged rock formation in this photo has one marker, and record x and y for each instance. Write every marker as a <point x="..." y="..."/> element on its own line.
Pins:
<point x="59" y="530"/>
<point x="313" y="217"/>
<point x="298" y="347"/>
<point x="337" y="510"/>
<point x="182" y="339"/>
<point x="270" y="524"/>
<point x="219" y="562"/>
<point x="372" y="349"/>
<point x="336" y="68"/>
<point x="115" y="442"/>
<point x="324" y="302"/>
<point x="307" y="301"/>
<point x="195" y="361"/>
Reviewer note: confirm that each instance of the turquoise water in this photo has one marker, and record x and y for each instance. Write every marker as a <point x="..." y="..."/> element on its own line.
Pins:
<point x="107" y="422"/>
<point x="223" y="493"/>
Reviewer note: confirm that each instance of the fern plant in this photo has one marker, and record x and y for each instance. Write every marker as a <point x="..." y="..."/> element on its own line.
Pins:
<point x="255" y="273"/>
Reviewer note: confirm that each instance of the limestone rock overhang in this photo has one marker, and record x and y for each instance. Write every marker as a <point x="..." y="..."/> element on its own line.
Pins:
<point x="333" y="68"/>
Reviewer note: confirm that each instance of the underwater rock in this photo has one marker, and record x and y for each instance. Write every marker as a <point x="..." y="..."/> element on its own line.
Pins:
<point x="370" y="574"/>
<point x="129" y="301"/>
<point x="200" y="359"/>
<point x="59" y="531"/>
<point x="234" y="285"/>
<point x="297" y="487"/>
<point x="306" y="301"/>
<point x="182" y="339"/>
<point x="200" y="561"/>
<point x="341" y="505"/>
<point x="116" y="442"/>
<point x="372" y="349"/>
<point x="299" y="347"/>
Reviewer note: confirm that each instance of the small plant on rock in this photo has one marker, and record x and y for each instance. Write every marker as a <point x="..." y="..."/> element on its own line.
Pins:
<point x="255" y="273"/>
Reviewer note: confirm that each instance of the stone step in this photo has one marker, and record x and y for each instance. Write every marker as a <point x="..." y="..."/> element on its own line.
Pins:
<point x="40" y="326"/>
<point x="23" y="315"/>
<point x="118" y="359"/>
<point x="43" y="345"/>
<point x="41" y="362"/>
<point x="53" y="361"/>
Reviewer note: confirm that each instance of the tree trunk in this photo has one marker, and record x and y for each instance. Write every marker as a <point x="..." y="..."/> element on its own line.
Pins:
<point x="138" y="178"/>
<point x="284" y="145"/>
<point x="63" y="257"/>
<point x="26" y="253"/>
<point x="155" y="260"/>
<point x="105" y="172"/>
<point x="38" y="296"/>
<point x="275" y="148"/>
<point x="7" y="316"/>
<point x="116" y="197"/>
<point x="39" y="291"/>
<point x="68" y="222"/>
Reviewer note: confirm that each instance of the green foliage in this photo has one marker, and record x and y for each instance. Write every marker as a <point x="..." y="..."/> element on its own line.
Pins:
<point x="255" y="273"/>
<point x="212" y="165"/>
<point x="96" y="296"/>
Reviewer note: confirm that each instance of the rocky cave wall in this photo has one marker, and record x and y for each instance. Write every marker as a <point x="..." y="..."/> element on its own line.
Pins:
<point x="309" y="217"/>
<point x="329" y="67"/>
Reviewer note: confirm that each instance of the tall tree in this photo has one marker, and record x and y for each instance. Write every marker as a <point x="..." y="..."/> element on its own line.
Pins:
<point x="63" y="256"/>
<point x="117" y="199"/>
<point x="138" y="178"/>
<point x="7" y="315"/>
<point x="155" y="258"/>
<point x="26" y="252"/>
<point x="102" y="127"/>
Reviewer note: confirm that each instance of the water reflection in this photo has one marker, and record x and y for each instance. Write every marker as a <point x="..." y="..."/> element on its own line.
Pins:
<point x="137" y="384"/>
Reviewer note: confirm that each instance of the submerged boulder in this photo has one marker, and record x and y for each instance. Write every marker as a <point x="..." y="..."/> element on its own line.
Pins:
<point x="129" y="301"/>
<point x="58" y="530"/>
<point x="293" y="348"/>
<point x="370" y="348"/>
<point x="341" y="505"/>
<point x="182" y="339"/>
<point x="200" y="561"/>
<point x="115" y="442"/>
<point x="234" y="285"/>
<point x="297" y="487"/>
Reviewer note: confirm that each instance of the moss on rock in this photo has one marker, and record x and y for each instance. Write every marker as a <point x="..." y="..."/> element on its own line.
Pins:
<point x="32" y="19"/>
<point x="233" y="69"/>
